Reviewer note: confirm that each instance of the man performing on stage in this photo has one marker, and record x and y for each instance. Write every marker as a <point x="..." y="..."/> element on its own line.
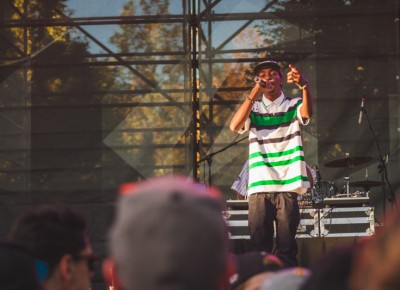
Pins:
<point x="277" y="171"/>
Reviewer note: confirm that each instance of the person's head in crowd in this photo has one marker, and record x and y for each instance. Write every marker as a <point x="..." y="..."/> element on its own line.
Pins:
<point x="251" y="267"/>
<point x="286" y="279"/>
<point x="56" y="235"/>
<point x="169" y="233"/>
<point x="332" y="271"/>
<point x="377" y="264"/>
<point x="17" y="267"/>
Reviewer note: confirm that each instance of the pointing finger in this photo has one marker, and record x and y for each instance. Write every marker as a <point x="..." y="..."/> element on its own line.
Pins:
<point x="293" y="69"/>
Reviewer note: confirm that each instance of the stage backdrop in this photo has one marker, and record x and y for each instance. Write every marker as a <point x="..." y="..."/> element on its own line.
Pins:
<point x="96" y="93"/>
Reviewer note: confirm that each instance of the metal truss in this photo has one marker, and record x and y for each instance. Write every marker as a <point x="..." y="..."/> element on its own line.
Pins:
<point x="198" y="56"/>
<point x="194" y="35"/>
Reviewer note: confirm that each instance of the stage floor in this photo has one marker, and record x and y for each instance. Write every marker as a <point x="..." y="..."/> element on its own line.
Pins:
<point x="310" y="249"/>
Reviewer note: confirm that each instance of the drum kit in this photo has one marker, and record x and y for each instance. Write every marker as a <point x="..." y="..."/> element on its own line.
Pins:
<point x="322" y="191"/>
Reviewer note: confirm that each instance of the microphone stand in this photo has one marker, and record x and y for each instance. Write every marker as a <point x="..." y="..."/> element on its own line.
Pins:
<point x="208" y="157"/>
<point x="382" y="167"/>
<point x="320" y="199"/>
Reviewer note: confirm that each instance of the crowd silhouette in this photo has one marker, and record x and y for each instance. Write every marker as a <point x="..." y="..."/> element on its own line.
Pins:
<point x="170" y="233"/>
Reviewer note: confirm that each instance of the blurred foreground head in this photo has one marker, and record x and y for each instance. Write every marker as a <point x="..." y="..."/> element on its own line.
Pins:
<point x="377" y="265"/>
<point x="252" y="264"/>
<point x="17" y="267"/>
<point x="169" y="233"/>
<point x="56" y="235"/>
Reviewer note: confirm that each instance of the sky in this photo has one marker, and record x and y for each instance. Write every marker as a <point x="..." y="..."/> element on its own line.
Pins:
<point x="107" y="8"/>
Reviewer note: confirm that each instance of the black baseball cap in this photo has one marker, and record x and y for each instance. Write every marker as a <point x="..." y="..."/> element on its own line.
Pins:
<point x="267" y="64"/>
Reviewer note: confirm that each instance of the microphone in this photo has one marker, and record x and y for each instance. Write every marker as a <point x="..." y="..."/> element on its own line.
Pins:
<point x="361" y="110"/>
<point x="260" y="81"/>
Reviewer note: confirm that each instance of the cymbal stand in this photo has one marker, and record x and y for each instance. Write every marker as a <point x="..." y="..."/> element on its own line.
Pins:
<point x="347" y="178"/>
<point x="367" y="189"/>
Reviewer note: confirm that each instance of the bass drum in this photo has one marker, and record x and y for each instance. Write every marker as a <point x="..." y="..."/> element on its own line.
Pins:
<point x="323" y="189"/>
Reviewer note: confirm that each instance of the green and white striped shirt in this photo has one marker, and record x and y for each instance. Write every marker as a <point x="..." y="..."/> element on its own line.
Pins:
<point x="276" y="156"/>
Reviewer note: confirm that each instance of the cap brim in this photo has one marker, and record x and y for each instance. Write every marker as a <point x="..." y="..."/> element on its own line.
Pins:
<point x="267" y="64"/>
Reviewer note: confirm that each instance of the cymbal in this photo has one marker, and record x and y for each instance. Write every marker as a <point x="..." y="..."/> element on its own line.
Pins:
<point x="367" y="184"/>
<point x="349" y="161"/>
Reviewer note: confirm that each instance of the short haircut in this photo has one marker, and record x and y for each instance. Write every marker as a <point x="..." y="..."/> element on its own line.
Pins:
<point x="50" y="232"/>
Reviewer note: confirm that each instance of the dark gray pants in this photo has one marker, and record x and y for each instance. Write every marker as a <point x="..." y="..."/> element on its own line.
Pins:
<point x="281" y="207"/>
